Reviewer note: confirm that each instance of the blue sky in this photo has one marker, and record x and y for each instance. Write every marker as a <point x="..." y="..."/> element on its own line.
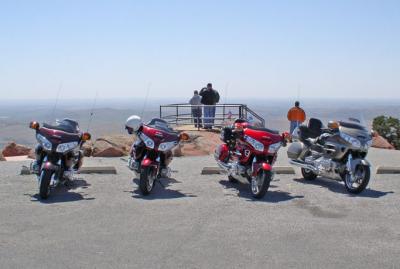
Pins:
<point x="327" y="49"/>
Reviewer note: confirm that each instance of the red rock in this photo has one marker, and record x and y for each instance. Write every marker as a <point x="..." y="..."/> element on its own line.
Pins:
<point x="104" y="149"/>
<point x="12" y="149"/>
<point x="380" y="142"/>
<point x="32" y="154"/>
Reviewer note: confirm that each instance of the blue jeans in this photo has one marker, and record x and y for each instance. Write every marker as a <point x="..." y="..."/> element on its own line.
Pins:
<point x="293" y="125"/>
<point x="209" y="114"/>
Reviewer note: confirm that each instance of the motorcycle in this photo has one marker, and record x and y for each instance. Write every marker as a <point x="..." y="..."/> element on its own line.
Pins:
<point x="58" y="153"/>
<point x="248" y="154"/>
<point x="151" y="153"/>
<point x="336" y="152"/>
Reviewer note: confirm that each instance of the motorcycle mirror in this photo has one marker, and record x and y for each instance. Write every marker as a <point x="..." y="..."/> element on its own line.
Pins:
<point x="86" y="136"/>
<point x="184" y="137"/>
<point x="34" y="125"/>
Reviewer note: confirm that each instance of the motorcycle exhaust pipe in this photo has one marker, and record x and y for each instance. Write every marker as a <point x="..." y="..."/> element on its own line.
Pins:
<point x="304" y="165"/>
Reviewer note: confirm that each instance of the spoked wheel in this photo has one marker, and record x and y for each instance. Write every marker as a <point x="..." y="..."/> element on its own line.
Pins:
<point x="260" y="184"/>
<point x="44" y="183"/>
<point x="308" y="174"/>
<point x="359" y="181"/>
<point x="148" y="176"/>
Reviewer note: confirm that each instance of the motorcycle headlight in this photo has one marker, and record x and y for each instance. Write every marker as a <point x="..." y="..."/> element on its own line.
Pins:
<point x="273" y="148"/>
<point x="44" y="142"/>
<point x="64" y="147"/>
<point x="353" y="141"/>
<point x="167" y="145"/>
<point x="147" y="141"/>
<point x="256" y="144"/>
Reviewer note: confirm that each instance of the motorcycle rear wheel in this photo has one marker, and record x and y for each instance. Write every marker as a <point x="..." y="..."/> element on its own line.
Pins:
<point x="308" y="174"/>
<point x="147" y="180"/>
<point x="259" y="184"/>
<point x="363" y="174"/>
<point x="44" y="183"/>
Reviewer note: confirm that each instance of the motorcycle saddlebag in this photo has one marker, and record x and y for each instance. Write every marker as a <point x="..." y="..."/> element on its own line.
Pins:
<point x="295" y="150"/>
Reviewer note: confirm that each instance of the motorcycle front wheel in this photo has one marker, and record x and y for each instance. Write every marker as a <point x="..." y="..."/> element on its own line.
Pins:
<point x="44" y="183"/>
<point x="260" y="184"/>
<point x="359" y="181"/>
<point x="147" y="179"/>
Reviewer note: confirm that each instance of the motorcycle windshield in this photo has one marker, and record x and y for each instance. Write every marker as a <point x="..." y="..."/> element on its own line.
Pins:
<point x="356" y="127"/>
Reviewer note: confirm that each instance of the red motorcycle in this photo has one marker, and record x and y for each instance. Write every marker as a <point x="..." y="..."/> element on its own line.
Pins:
<point x="248" y="154"/>
<point x="152" y="151"/>
<point x="58" y="153"/>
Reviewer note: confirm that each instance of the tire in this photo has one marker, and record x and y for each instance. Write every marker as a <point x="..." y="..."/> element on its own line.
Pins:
<point x="147" y="180"/>
<point x="231" y="179"/>
<point x="44" y="183"/>
<point x="259" y="185"/>
<point x="364" y="180"/>
<point x="308" y="174"/>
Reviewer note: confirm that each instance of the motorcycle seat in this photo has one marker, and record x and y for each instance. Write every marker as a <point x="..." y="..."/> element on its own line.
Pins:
<point x="263" y="129"/>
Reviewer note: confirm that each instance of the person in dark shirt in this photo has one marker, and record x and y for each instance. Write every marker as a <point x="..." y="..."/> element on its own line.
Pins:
<point x="210" y="98"/>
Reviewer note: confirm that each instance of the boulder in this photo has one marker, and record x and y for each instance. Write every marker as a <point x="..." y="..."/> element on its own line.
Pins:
<point x="12" y="149"/>
<point x="87" y="149"/>
<point x="380" y="142"/>
<point x="112" y="146"/>
<point x="32" y="154"/>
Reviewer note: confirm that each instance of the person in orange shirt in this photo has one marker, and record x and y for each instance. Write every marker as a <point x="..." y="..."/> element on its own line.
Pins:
<point x="296" y="116"/>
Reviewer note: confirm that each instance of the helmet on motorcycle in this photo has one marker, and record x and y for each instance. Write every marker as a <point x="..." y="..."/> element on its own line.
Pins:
<point x="133" y="124"/>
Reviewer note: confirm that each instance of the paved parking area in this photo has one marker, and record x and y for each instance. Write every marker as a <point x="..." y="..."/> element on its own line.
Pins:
<point x="199" y="221"/>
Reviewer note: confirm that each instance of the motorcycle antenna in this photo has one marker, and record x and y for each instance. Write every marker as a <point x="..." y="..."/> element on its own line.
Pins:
<point x="92" y="111"/>
<point x="145" y="100"/>
<point x="56" y="102"/>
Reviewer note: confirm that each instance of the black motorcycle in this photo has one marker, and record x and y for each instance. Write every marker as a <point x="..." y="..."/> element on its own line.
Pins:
<point x="337" y="152"/>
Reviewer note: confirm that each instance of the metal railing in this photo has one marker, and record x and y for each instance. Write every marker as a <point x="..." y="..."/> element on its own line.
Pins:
<point x="181" y="114"/>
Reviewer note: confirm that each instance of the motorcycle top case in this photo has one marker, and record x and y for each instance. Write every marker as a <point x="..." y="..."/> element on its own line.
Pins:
<point x="295" y="150"/>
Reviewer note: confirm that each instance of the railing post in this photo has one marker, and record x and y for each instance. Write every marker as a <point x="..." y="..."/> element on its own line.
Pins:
<point x="176" y="118"/>
<point x="160" y="112"/>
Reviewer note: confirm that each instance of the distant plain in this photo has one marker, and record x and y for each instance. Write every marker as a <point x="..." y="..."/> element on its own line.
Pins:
<point x="109" y="115"/>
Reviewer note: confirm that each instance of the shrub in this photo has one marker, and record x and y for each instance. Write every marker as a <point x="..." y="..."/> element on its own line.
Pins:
<point x="389" y="128"/>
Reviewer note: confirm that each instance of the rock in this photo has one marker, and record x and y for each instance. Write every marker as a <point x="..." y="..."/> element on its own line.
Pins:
<point x="177" y="151"/>
<point x="2" y="157"/>
<point x="32" y="154"/>
<point x="87" y="149"/>
<point x="112" y="146"/>
<point x="380" y="142"/>
<point x="12" y="149"/>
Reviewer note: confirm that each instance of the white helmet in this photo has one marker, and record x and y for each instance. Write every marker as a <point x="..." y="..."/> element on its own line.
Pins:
<point x="133" y="123"/>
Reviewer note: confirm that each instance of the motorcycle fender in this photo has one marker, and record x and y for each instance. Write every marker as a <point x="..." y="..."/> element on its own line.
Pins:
<point x="258" y="166"/>
<point x="356" y="162"/>
<point x="50" y="166"/>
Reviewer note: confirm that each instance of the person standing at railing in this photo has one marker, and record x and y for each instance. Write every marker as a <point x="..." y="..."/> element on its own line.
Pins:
<point x="210" y="98"/>
<point x="195" y="101"/>
<point x="296" y="116"/>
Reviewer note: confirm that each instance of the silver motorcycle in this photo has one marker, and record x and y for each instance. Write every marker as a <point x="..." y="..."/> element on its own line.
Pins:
<point x="337" y="151"/>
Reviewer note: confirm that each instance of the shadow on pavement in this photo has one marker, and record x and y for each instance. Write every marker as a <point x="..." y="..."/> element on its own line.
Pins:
<point x="270" y="197"/>
<point x="338" y="187"/>
<point x="62" y="194"/>
<point x="160" y="190"/>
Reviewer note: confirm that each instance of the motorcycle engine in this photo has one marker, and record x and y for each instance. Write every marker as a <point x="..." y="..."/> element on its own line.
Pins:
<point x="321" y="163"/>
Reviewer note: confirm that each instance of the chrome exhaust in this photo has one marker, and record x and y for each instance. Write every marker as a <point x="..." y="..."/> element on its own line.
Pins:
<point x="304" y="165"/>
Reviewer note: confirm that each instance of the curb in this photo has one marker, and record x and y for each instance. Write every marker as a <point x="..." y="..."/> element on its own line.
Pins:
<point x="388" y="170"/>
